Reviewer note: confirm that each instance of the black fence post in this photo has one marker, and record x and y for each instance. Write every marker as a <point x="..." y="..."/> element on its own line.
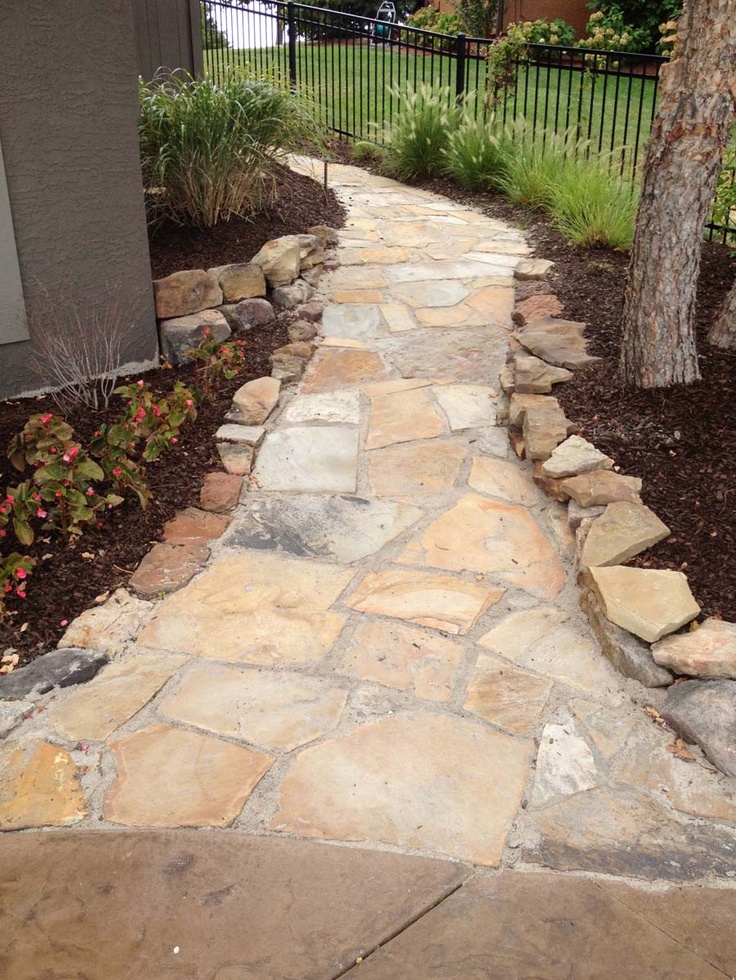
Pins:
<point x="291" y="21"/>
<point x="460" y="75"/>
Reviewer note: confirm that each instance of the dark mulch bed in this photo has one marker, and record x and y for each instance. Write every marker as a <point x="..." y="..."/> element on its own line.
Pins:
<point x="64" y="582"/>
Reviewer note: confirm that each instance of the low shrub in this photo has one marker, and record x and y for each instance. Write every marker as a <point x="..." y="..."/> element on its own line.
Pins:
<point x="592" y="207"/>
<point x="217" y="360"/>
<point x="476" y="156"/>
<point x="429" y="19"/>
<point x="418" y="138"/>
<point x="544" y="31"/>
<point x="365" y="152"/>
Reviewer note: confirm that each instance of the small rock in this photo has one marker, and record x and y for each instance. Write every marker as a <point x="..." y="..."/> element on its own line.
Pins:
<point x="280" y="260"/>
<point x="249" y="435"/>
<point x="59" y="668"/>
<point x="194" y="527"/>
<point x="220" y="492"/>
<point x="704" y="712"/>
<point x="575" y="455"/>
<point x="534" y="376"/>
<point x="533" y="269"/>
<point x="493" y="441"/>
<point x="558" y="342"/>
<point x="183" y="332"/>
<point x="249" y="314"/>
<point x="311" y="312"/>
<point x="709" y="651"/>
<point x="288" y="370"/>
<point x="531" y="287"/>
<point x="167" y="567"/>
<point x="548" y="483"/>
<point x="516" y="439"/>
<point x="240" y="281"/>
<point x="645" y="601"/>
<point x="331" y="264"/>
<point x="328" y="235"/>
<point x="255" y="400"/>
<point x="301" y="331"/>
<point x="236" y="458"/>
<point x="577" y="514"/>
<point x="536" y="307"/>
<point x="300" y="349"/>
<point x="186" y="292"/>
<point x="543" y="423"/>
<point x="289" y="297"/>
<point x="520" y="404"/>
<point x="563" y="538"/>
<point x="602" y="487"/>
<point x="624" y="530"/>
<point x="626" y="653"/>
<point x="507" y="379"/>
<point x="312" y="276"/>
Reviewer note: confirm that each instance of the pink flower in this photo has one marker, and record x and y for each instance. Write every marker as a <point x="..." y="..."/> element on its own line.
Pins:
<point x="9" y="499"/>
<point x="188" y="403"/>
<point x="139" y="384"/>
<point x="41" y="512"/>
<point x="53" y="450"/>
<point x="90" y="492"/>
<point x="58" y="493"/>
<point x="20" y="593"/>
<point x="36" y="496"/>
<point x="116" y="472"/>
<point x="8" y="588"/>
<point x="3" y="533"/>
<point x="43" y="419"/>
<point x="65" y="622"/>
<point x="21" y="574"/>
<point x="174" y="441"/>
<point x="156" y="411"/>
<point x="70" y="454"/>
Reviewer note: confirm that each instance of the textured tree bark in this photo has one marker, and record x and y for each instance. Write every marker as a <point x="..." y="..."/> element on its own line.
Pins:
<point x="723" y="332"/>
<point x="697" y="107"/>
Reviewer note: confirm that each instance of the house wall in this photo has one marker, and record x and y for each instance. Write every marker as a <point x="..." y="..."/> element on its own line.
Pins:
<point x="168" y="34"/>
<point x="68" y="129"/>
<point x="575" y="12"/>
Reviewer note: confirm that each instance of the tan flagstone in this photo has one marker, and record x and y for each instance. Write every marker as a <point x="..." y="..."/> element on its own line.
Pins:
<point x="169" y="777"/>
<point x="570" y="655"/>
<point x="346" y="342"/>
<point x="357" y="296"/>
<point x="309" y="458"/>
<point x="521" y="630"/>
<point x="267" y="708"/>
<point x="425" y="598"/>
<point x="621" y="532"/>
<point x="394" y="385"/>
<point x="353" y="277"/>
<point x="505" y="696"/>
<point x="378" y="255"/>
<point x="437" y="293"/>
<point x="109" y="627"/>
<point x="485" y="536"/>
<point x="496" y="303"/>
<point x="402" y="417"/>
<point x="403" y="658"/>
<point x="254" y="608"/>
<point x="461" y="315"/>
<point x="340" y="367"/>
<point x="499" y="478"/>
<point x="398" y="317"/>
<point x="40" y="786"/>
<point x="408" y="469"/>
<point x="708" y="651"/>
<point x="93" y="712"/>
<point x="412" y="780"/>
<point x="467" y="406"/>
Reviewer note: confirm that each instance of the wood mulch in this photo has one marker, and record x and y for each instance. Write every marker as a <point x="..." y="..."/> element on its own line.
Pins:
<point x="67" y="579"/>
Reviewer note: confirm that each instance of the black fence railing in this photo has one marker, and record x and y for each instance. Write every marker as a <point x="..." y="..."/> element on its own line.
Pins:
<point x="351" y="67"/>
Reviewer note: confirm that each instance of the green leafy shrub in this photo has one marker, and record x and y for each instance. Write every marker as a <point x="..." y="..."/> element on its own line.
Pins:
<point x="609" y="32"/>
<point x="476" y="157"/>
<point x="544" y="31"/>
<point x="419" y="134"/>
<point x="429" y="19"/>
<point x="217" y="360"/>
<point x="364" y="151"/>
<point x="208" y="148"/>
<point x="502" y="62"/>
<point x="646" y="19"/>
<point x="724" y="207"/>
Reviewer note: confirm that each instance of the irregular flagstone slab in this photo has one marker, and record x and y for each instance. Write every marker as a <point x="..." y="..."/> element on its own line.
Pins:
<point x="391" y="256"/>
<point x="109" y="627"/>
<point x="359" y="321"/>
<point x="398" y="317"/>
<point x="194" y="527"/>
<point x="705" y="712"/>
<point x="347" y="277"/>
<point x="115" y="695"/>
<point x="544" y="428"/>
<point x="398" y="781"/>
<point x="554" y="520"/>
<point x="494" y="441"/>
<point x="474" y="357"/>
<point x="403" y="658"/>
<point x="220" y="492"/>
<point x="607" y="727"/>
<point x="533" y="269"/>
<point x="40" y="786"/>
<point x="536" y="308"/>
<point x="462" y="315"/>
<point x="237" y="459"/>
<point x="357" y="296"/>
<point x="485" y="536"/>
<point x="604" y="930"/>
<point x="512" y="699"/>
<point x="495" y="303"/>
<point x="709" y="651"/>
<point x="626" y="652"/>
<point x="308" y="458"/>
<point x="266" y="708"/>
<point x="329" y="406"/>
<point x="648" y="602"/>
<point x="432" y="271"/>
<point x="12" y="713"/>
<point x="520" y="630"/>
<point x="167" y="567"/>
<point x="312" y="525"/>
<point x="436" y="293"/>
<point x="255" y="400"/>
<point x="425" y="598"/>
<point x="169" y="777"/>
<point x="624" y="530"/>
<point x="534" y="376"/>
<point x="559" y="342"/>
<point x="221" y="899"/>
<point x="625" y="832"/>
<point x="505" y="480"/>
<point x="402" y="417"/>
<point x="334" y="369"/>
<point x="467" y="406"/>
<point x="395" y="384"/>
<point x="57" y="668"/>
<point x="254" y="608"/>
<point x="249" y="435"/>
<point x="575" y="455"/>
<point x="565" y="765"/>
<point x="601" y="487"/>
<point x="408" y="469"/>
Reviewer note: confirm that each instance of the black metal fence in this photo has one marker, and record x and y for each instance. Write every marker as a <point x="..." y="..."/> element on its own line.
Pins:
<point x="350" y="67"/>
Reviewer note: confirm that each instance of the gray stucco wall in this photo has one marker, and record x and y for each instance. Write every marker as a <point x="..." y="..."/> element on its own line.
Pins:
<point x="68" y="128"/>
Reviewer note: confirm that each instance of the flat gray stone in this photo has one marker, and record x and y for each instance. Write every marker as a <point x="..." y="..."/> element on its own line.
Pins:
<point x="311" y="525"/>
<point x="355" y="321"/>
<point x="573" y="456"/>
<point x="59" y="668"/>
<point x="565" y="765"/>
<point x="11" y="714"/>
<point x="249" y="435"/>
<point x="289" y="297"/>
<point x="248" y="314"/>
<point x="494" y="441"/>
<point x="559" y="342"/>
<point x="237" y="458"/>
<point x="534" y="376"/>
<point x="705" y="712"/>
<point x="473" y="355"/>
<point x="309" y="458"/>
<point x="183" y="332"/>
<point x="325" y="406"/>
<point x="532" y="269"/>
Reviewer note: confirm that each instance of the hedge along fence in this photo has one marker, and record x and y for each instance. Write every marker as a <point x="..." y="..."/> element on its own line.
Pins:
<point x="351" y="66"/>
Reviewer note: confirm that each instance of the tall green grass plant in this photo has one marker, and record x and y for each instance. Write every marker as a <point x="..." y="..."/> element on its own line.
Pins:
<point x="419" y="135"/>
<point x="476" y="155"/>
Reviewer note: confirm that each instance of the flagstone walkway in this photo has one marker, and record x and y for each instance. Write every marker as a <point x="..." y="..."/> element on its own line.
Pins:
<point x="386" y="648"/>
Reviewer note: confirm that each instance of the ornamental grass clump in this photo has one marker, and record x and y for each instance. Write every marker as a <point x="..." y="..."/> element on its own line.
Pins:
<point x="208" y="149"/>
<point x="592" y="207"/>
<point x="476" y="156"/>
<point x="417" y="140"/>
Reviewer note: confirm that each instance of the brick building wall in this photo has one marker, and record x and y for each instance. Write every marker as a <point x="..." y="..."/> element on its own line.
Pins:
<point x="575" y="12"/>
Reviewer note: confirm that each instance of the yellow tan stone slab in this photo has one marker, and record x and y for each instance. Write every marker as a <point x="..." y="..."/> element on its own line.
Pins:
<point x="267" y="708"/>
<point x="402" y="416"/>
<point x="357" y="296"/>
<point x="349" y="343"/>
<point x="121" y="689"/>
<point x="521" y="630"/>
<point x="571" y="656"/>
<point x="409" y="469"/>
<point x="393" y="385"/>
<point x="486" y="536"/>
<point x="39" y="787"/>
<point x="496" y="303"/>
<point x="403" y="658"/>
<point x="354" y="277"/>
<point x="169" y="777"/>
<point x="412" y="234"/>
<point x="461" y="315"/>
<point x="109" y="627"/>
<point x="499" y="478"/>
<point x="339" y="368"/>
<point x="398" y="317"/>
<point x="380" y="255"/>
<point x="510" y="698"/>
<point x="425" y="598"/>
<point x="253" y="608"/>
<point x="413" y="780"/>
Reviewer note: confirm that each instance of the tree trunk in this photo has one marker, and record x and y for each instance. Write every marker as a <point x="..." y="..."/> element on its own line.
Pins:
<point x="723" y="332"/>
<point x="682" y="161"/>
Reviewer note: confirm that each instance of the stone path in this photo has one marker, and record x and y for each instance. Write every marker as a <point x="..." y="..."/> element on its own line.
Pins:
<point x="386" y="650"/>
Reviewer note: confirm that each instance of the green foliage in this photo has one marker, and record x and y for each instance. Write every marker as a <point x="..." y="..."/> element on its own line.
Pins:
<point x="724" y="207"/>
<point x="592" y="207"/>
<point x="14" y="570"/>
<point x="476" y="157"/>
<point x="479" y="16"/>
<point x="643" y="17"/>
<point x="609" y="32"/>
<point x="213" y="38"/>
<point x="429" y="19"/>
<point x="419" y="134"/>
<point x="502" y="60"/>
<point x="364" y="152"/>
<point x="543" y="31"/>
<point x="208" y="148"/>
<point x="218" y="360"/>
